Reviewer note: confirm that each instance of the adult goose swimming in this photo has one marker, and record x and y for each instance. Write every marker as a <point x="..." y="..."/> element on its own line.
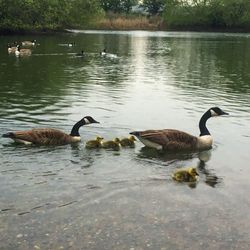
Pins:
<point x="12" y="47"/>
<point x="29" y="43"/>
<point x="22" y="52"/>
<point x="49" y="136"/>
<point x="175" y="140"/>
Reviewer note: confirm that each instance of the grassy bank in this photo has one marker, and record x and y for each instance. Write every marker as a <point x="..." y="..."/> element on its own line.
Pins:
<point x="129" y="23"/>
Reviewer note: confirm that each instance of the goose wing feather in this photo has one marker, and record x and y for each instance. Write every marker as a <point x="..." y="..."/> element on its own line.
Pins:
<point x="43" y="136"/>
<point x="170" y="139"/>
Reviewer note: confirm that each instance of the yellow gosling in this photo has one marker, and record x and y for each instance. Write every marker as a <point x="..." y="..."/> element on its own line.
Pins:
<point x="128" y="142"/>
<point x="97" y="143"/>
<point x="114" y="144"/>
<point x="185" y="175"/>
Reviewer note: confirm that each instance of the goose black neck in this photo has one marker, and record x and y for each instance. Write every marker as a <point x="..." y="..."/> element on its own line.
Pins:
<point x="202" y="123"/>
<point x="75" y="129"/>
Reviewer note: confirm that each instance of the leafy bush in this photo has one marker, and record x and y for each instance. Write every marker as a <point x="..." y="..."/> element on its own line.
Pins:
<point x="208" y="13"/>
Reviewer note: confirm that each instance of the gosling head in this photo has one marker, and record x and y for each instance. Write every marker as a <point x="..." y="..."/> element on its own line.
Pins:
<point x="215" y="111"/>
<point x="99" y="138"/>
<point x="132" y="138"/>
<point x="117" y="140"/>
<point x="193" y="172"/>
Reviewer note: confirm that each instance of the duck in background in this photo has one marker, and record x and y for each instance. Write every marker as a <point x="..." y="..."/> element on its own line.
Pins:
<point x="128" y="142"/>
<point x="29" y="43"/>
<point x="71" y="44"/>
<point x="103" y="53"/>
<point x="185" y="175"/>
<point x="108" y="55"/>
<point x="22" y="52"/>
<point x="12" y="47"/>
<point x="114" y="144"/>
<point x="97" y="143"/>
<point x="81" y="54"/>
<point x="49" y="136"/>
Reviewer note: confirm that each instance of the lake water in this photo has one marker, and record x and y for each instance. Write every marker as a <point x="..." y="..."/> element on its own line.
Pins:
<point x="70" y="197"/>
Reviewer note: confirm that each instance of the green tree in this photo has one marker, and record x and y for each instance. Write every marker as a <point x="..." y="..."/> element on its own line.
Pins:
<point x="118" y="6"/>
<point x="47" y="14"/>
<point x="154" y="7"/>
<point x="208" y="13"/>
<point x="83" y="12"/>
<point x="128" y="4"/>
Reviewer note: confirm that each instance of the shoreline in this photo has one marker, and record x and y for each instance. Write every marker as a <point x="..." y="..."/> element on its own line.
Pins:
<point x="180" y="29"/>
<point x="32" y="32"/>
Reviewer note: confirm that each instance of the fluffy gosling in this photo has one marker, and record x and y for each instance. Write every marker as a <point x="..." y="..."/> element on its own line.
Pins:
<point x="114" y="144"/>
<point x="97" y="143"/>
<point x="185" y="175"/>
<point x="128" y="142"/>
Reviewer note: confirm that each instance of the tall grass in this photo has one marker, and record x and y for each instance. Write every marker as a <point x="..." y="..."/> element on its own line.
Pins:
<point x="129" y="23"/>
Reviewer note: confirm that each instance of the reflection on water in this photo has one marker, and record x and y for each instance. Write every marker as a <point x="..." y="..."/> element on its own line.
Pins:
<point x="210" y="178"/>
<point x="70" y="197"/>
<point x="175" y="161"/>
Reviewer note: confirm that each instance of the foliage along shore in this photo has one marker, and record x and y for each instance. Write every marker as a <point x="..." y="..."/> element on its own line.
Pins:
<point x="47" y="16"/>
<point x="125" y="24"/>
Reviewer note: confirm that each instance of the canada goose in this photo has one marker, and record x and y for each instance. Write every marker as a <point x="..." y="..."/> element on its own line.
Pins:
<point x="108" y="55"/>
<point x="128" y="142"/>
<point x="174" y="140"/>
<point x="12" y="48"/>
<point x="29" y="43"/>
<point x="22" y="52"/>
<point x="185" y="175"/>
<point x="103" y="53"/>
<point x="71" y="44"/>
<point x="114" y="144"/>
<point x="49" y="136"/>
<point x="80" y="54"/>
<point x="94" y="143"/>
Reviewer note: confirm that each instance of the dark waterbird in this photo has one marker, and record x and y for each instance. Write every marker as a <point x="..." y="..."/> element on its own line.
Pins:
<point x="176" y="140"/>
<point x="81" y="54"/>
<point x="49" y="136"/>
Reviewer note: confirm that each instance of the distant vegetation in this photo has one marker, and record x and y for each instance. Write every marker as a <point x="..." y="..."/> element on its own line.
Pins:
<point x="128" y="22"/>
<point x="219" y="14"/>
<point x="45" y="15"/>
<point x="180" y="14"/>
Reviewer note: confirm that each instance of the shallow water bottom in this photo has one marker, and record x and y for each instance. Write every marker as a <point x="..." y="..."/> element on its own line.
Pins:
<point x="137" y="216"/>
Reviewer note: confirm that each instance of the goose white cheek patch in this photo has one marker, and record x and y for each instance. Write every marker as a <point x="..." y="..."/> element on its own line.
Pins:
<point x="213" y="113"/>
<point x="86" y="121"/>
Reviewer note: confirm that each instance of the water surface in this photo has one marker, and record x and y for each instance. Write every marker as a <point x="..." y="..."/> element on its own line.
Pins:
<point x="68" y="196"/>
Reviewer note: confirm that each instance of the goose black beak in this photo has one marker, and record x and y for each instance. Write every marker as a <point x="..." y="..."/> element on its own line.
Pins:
<point x="224" y="113"/>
